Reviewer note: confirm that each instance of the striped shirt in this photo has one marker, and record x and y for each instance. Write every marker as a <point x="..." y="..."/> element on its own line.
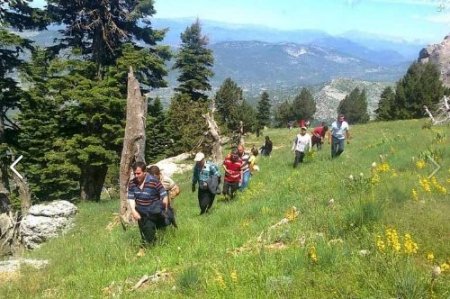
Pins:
<point x="149" y="198"/>
<point x="245" y="162"/>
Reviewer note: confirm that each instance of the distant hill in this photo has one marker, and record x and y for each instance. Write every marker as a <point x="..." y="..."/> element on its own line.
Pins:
<point x="282" y="62"/>
<point x="346" y="42"/>
<point x="329" y="95"/>
<point x="271" y="65"/>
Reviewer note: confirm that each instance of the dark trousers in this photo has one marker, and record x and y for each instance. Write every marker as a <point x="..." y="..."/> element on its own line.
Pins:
<point x="205" y="200"/>
<point x="148" y="224"/>
<point x="298" y="158"/>
<point x="229" y="189"/>
<point x="337" y="147"/>
<point x="316" y="141"/>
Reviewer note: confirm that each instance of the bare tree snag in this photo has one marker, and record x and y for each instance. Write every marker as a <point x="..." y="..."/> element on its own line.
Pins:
<point x="213" y="130"/>
<point x="241" y="133"/>
<point x="134" y="140"/>
<point x="24" y="194"/>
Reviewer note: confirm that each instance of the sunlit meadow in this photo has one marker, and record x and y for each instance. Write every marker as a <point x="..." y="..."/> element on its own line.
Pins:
<point x="370" y="224"/>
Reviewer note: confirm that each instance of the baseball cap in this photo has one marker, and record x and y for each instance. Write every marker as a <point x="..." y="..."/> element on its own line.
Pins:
<point x="199" y="156"/>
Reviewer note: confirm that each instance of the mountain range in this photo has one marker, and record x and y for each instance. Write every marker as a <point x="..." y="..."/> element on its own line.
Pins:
<point x="260" y="58"/>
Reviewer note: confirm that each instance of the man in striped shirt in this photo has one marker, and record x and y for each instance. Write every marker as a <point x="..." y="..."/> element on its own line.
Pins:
<point x="148" y="200"/>
<point x="245" y="167"/>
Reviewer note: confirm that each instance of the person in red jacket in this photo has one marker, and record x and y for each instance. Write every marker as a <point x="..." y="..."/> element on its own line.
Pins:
<point x="318" y="136"/>
<point x="233" y="175"/>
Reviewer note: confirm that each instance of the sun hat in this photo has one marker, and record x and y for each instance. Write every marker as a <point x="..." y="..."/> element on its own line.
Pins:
<point x="199" y="156"/>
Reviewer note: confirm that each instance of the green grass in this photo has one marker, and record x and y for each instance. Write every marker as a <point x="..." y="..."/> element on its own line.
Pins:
<point x="219" y="256"/>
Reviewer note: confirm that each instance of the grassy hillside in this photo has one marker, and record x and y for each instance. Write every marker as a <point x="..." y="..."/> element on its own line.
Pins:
<point x="377" y="235"/>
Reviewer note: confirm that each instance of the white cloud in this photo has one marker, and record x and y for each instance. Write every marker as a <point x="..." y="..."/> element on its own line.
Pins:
<point x="441" y="18"/>
<point x="436" y="3"/>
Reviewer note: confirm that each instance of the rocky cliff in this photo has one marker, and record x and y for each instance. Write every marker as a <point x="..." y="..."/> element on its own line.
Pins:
<point x="438" y="54"/>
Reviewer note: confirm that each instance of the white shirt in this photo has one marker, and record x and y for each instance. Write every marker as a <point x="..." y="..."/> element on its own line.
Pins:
<point x="338" y="130"/>
<point x="302" y="143"/>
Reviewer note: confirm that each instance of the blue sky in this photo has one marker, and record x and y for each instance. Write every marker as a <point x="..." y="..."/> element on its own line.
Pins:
<point x="419" y="20"/>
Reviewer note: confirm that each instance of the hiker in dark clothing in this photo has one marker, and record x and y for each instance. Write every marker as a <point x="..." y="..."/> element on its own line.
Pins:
<point x="148" y="202"/>
<point x="207" y="175"/>
<point x="266" y="149"/>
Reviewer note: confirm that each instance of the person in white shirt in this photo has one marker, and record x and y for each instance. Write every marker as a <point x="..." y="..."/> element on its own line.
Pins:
<point x="302" y="144"/>
<point x="338" y="134"/>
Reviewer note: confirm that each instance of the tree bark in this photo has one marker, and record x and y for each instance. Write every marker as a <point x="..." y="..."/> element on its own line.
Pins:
<point x="92" y="180"/>
<point x="213" y="130"/>
<point x="134" y="140"/>
<point x="24" y="194"/>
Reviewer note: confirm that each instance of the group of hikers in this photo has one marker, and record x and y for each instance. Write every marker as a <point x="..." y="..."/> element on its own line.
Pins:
<point x="150" y="194"/>
<point x="305" y="142"/>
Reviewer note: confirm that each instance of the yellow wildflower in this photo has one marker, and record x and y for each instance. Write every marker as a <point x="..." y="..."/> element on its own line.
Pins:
<point x="445" y="267"/>
<point x="415" y="197"/>
<point x="383" y="167"/>
<point x="312" y="253"/>
<point x="220" y="281"/>
<point x="420" y="164"/>
<point x="425" y="184"/>
<point x="292" y="213"/>
<point x="430" y="257"/>
<point x="392" y="239"/>
<point x="375" y="178"/>
<point x="234" y="276"/>
<point x="380" y="244"/>
<point x="410" y="246"/>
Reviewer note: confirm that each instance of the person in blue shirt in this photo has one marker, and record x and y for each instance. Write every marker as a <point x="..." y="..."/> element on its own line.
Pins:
<point x="338" y="134"/>
<point x="207" y="175"/>
<point x="148" y="202"/>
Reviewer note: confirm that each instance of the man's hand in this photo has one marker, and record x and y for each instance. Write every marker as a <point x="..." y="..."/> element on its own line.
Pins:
<point x="166" y="202"/>
<point x="135" y="215"/>
<point x="193" y="187"/>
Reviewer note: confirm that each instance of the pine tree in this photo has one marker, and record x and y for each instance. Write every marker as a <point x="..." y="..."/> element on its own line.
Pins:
<point x="284" y="113"/>
<point x="304" y="105"/>
<point x="228" y="99"/>
<point x="90" y="87"/>
<point x="385" y="105"/>
<point x="247" y="114"/>
<point x="354" y="107"/>
<point x="50" y="175"/>
<point x="263" y="114"/>
<point x="420" y="86"/>
<point x="158" y="141"/>
<point x="186" y="124"/>
<point x="194" y="62"/>
<point x="99" y="28"/>
<point x="15" y="15"/>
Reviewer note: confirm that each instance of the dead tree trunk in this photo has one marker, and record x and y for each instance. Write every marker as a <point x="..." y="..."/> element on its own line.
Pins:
<point x="134" y="140"/>
<point x="241" y="133"/>
<point x="24" y="194"/>
<point x="213" y="130"/>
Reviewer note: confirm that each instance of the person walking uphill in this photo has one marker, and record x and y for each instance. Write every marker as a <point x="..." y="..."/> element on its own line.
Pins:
<point x="302" y="144"/>
<point x="338" y="134"/>
<point x="148" y="202"/>
<point x="207" y="175"/>
<point x="244" y="156"/>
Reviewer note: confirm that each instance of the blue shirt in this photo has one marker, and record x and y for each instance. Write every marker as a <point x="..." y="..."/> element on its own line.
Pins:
<point x="202" y="175"/>
<point x="338" y="130"/>
<point x="149" y="198"/>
